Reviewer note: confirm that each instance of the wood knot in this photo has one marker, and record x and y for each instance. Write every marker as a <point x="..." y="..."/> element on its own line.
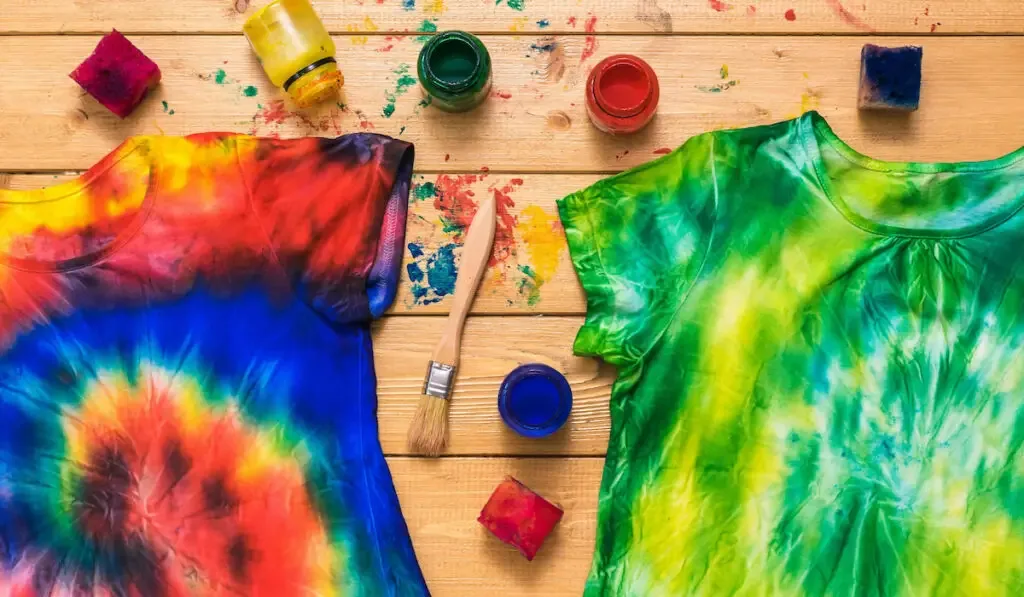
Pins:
<point x="559" y="120"/>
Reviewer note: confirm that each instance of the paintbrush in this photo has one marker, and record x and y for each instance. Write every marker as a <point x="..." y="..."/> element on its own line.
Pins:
<point x="428" y="432"/>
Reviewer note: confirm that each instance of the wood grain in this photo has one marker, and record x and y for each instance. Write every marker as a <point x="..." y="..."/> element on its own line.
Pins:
<point x="504" y="16"/>
<point x="492" y="347"/>
<point x="441" y="500"/>
<point x="970" y="107"/>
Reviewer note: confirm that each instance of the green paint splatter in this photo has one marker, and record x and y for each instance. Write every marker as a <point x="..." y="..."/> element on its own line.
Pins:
<point x="426" y="27"/>
<point x="528" y="286"/>
<point x="724" y="71"/>
<point x="402" y="85"/>
<point x="513" y="4"/>
<point x="424" y="191"/>
<point x="717" y="88"/>
<point x="167" y="109"/>
<point x="400" y="131"/>
<point x="250" y="91"/>
<point x="220" y="77"/>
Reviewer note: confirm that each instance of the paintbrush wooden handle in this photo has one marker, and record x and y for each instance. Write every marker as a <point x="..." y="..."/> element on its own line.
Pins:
<point x="476" y="251"/>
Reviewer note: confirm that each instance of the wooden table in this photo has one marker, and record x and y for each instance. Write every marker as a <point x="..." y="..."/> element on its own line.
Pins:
<point x="721" y="64"/>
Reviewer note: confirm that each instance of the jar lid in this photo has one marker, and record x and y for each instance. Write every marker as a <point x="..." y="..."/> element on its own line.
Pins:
<point x="624" y="85"/>
<point x="535" y="400"/>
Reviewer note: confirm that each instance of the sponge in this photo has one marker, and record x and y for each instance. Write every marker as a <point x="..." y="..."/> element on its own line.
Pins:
<point x="890" y="78"/>
<point x="519" y="516"/>
<point x="117" y="74"/>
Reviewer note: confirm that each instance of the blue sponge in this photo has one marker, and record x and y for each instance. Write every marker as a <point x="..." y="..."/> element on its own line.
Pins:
<point x="890" y="78"/>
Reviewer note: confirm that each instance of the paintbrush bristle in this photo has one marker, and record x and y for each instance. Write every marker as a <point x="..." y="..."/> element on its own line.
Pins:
<point x="428" y="432"/>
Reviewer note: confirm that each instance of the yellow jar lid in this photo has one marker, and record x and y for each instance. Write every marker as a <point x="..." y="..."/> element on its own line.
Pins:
<point x="317" y="85"/>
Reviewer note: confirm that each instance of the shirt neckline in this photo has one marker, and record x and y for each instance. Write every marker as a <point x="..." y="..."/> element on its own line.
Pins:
<point x="815" y="132"/>
<point x="75" y="187"/>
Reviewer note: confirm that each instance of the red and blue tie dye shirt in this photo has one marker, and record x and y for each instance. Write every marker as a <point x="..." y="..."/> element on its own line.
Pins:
<point x="187" y="392"/>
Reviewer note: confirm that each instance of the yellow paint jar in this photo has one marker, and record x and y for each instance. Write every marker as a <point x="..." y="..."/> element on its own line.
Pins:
<point x="295" y="50"/>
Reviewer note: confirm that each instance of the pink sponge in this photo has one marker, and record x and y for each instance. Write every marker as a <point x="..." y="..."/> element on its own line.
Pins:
<point x="519" y="516"/>
<point x="117" y="74"/>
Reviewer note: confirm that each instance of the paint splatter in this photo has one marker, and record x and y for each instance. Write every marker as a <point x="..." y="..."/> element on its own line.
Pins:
<point x="402" y="84"/>
<point x="435" y="7"/>
<point x="649" y="13"/>
<point x="751" y="10"/>
<point x="544" y="242"/>
<point x="501" y="94"/>
<point x="366" y="25"/>
<point x="447" y="157"/>
<point x="718" y="5"/>
<point x="590" y="43"/>
<point x="513" y="4"/>
<point x="543" y="23"/>
<point x="571" y="21"/>
<point x="528" y="285"/>
<point x="250" y="91"/>
<point x="433" y="277"/>
<point x="271" y="117"/>
<point x="168" y="109"/>
<point x="548" y="47"/>
<point x="221" y="77"/>
<point x="848" y="17"/>
<point x="662" y="151"/>
<point x="409" y="4"/>
<point x="790" y="15"/>
<point x="424" y="191"/>
<point x="504" y="232"/>
<point x="427" y="26"/>
<point x="723" y="73"/>
<point x="519" y="24"/>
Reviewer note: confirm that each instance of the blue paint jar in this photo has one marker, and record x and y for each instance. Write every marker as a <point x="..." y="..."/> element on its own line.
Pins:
<point x="534" y="400"/>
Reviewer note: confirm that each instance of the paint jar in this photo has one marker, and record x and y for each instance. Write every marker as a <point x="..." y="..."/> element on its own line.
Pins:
<point x="534" y="400"/>
<point x="295" y="50"/>
<point x="454" y="69"/>
<point x="622" y="94"/>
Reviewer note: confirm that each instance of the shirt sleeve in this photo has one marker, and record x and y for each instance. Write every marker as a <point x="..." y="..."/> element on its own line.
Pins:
<point x="333" y="211"/>
<point x="638" y="241"/>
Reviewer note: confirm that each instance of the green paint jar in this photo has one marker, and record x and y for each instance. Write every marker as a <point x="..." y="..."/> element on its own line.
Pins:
<point x="454" y="69"/>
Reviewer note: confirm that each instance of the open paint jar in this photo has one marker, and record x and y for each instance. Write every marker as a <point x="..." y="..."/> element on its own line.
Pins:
<point x="295" y="50"/>
<point x="622" y="94"/>
<point x="535" y="400"/>
<point x="454" y="69"/>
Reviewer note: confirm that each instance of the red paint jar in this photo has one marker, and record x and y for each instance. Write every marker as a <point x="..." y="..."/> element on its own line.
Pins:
<point x="622" y="94"/>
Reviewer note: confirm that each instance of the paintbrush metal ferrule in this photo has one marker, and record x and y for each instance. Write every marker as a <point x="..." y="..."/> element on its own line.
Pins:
<point x="439" y="380"/>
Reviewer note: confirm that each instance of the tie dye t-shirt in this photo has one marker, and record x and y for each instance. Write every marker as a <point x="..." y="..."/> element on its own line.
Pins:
<point x="821" y="370"/>
<point x="187" y="392"/>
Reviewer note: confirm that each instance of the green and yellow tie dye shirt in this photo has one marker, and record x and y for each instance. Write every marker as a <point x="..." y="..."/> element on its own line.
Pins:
<point x="821" y="369"/>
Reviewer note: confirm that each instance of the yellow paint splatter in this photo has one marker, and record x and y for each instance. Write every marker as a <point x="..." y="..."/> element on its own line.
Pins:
<point x="435" y="7"/>
<point x="366" y="25"/>
<point x="542" y="235"/>
<point x="519" y="23"/>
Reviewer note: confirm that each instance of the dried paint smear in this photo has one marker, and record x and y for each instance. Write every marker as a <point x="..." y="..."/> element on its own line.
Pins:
<point x="527" y="247"/>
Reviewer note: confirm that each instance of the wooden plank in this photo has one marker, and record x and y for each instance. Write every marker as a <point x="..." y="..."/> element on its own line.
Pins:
<point x="497" y="16"/>
<point x="492" y="347"/>
<point x="441" y="500"/>
<point x="532" y="272"/>
<point x="536" y="121"/>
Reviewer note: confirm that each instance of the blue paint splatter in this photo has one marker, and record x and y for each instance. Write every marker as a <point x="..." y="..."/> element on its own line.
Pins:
<point x="544" y="48"/>
<point x="543" y="23"/>
<point x="408" y="4"/>
<point x="437" y="281"/>
<point x="415" y="273"/>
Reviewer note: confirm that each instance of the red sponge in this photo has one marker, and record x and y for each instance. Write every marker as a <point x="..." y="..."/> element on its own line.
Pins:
<point x="519" y="516"/>
<point x="117" y="74"/>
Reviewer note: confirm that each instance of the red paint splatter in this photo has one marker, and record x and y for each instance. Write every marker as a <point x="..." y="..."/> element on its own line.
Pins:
<point x="590" y="43"/>
<point x="455" y="202"/>
<point x="791" y="15"/>
<point x="847" y="16"/>
<point x="485" y="169"/>
<point x="718" y="5"/>
<point x="662" y="151"/>
<point x="926" y="9"/>
<point x="572" y="22"/>
<point x="274" y="115"/>
<point x="751" y="10"/>
<point x="501" y="94"/>
<point x="447" y="157"/>
<point x="935" y="26"/>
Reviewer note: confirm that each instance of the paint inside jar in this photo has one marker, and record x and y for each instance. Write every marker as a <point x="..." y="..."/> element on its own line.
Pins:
<point x="534" y="400"/>
<point x="454" y="70"/>
<point x="623" y="89"/>
<point x="622" y="94"/>
<point x="453" y="61"/>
